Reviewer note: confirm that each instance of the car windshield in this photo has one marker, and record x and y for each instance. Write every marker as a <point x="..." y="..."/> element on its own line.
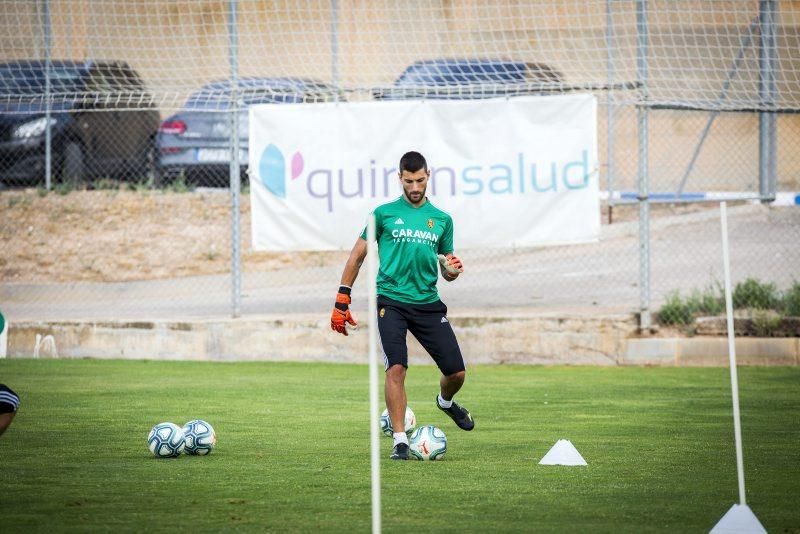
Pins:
<point x="31" y="79"/>
<point x="218" y="96"/>
<point x="462" y="73"/>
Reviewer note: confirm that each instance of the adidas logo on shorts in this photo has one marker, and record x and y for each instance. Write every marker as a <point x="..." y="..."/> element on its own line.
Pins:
<point x="444" y="320"/>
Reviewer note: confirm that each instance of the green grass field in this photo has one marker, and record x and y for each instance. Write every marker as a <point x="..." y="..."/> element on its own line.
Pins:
<point x="293" y="449"/>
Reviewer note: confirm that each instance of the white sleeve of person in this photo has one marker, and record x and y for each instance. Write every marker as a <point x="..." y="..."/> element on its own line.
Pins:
<point x="447" y="267"/>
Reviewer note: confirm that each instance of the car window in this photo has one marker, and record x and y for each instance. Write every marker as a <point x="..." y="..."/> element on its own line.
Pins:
<point x="540" y="72"/>
<point x="130" y="79"/>
<point x="461" y="73"/>
<point x="17" y="79"/>
<point x="101" y="81"/>
<point x="218" y="96"/>
<point x="472" y="78"/>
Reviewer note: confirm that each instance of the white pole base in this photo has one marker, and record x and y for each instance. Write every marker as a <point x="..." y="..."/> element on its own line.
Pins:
<point x="739" y="519"/>
<point x="563" y="453"/>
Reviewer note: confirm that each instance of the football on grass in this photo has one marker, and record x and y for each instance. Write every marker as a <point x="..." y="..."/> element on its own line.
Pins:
<point x="386" y="422"/>
<point x="166" y="440"/>
<point x="427" y="443"/>
<point x="200" y="437"/>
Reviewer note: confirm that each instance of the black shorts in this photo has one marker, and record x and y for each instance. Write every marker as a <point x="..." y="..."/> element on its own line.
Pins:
<point x="9" y="402"/>
<point x="428" y="323"/>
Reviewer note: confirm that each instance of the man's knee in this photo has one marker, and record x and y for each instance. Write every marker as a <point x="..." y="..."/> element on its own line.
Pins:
<point x="5" y="421"/>
<point x="456" y="378"/>
<point x="396" y="373"/>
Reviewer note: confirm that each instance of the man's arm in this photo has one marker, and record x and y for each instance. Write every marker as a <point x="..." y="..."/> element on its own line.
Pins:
<point x="354" y="262"/>
<point x="341" y="309"/>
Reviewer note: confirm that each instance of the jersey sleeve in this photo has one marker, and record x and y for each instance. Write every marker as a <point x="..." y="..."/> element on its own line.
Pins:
<point x="446" y="241"/>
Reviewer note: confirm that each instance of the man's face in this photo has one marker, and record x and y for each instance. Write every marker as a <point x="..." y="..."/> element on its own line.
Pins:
<point x="414" y="185"/>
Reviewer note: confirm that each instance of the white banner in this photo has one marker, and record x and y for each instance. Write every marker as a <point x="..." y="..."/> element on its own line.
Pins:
<point x="511" y="172"/>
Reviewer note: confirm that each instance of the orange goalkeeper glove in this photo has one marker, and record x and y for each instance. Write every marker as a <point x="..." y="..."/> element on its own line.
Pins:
<point x="452" y="265"/>
<point x="341" y="315"/>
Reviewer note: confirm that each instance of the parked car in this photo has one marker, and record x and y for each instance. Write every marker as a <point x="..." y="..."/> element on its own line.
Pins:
<point x="471" y="78"/>
<point x="91" y="134"/>
<point x="195" y="142"/>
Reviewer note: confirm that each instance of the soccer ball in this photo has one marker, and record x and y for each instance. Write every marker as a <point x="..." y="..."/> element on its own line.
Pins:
<point x="386" y="422"/>
<point x="166" y="440"/>
<point x="200" y="437"/>
<point x="427" y="443"/>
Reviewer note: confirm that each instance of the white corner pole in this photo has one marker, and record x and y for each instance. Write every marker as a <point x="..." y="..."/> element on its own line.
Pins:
<point x="739" y="518"/>
<point x="737" y="425"/>
<point x="372" y="275"/>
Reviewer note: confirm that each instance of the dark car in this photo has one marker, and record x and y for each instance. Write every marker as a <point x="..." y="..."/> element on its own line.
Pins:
<point x="103" y="122"/>
<point x="472" y="78"/>
<point x="195" y="142"/>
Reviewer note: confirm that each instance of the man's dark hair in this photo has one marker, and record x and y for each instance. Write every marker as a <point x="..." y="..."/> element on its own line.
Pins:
<point x="412" y="162"/>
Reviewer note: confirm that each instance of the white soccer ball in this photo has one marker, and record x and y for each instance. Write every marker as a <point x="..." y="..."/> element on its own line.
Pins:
<point x="166" y="440"/>
<point x="427" y="443"/>
<point x="386" y="422"/>
<point x="200" y="437"/>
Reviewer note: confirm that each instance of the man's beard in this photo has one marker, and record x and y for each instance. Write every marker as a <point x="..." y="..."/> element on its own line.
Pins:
<point x="421" y="196"/>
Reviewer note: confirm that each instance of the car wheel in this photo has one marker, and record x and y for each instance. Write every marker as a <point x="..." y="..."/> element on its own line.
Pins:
<point x="72" y="164"/>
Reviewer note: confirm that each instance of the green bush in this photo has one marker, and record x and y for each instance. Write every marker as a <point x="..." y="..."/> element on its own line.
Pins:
<point x="106" y="184"/>
<point x="791" y="300"/>
<point x="682" y="311"/>
<point x="65" y="188"/>
<point x="766" y="323"/>
<point x="710" y="301"/>
<point x="675" y="311"/>
<point x="755" y="294"/>
<point x="179" y="185"/>
<point x="768" y="303"/>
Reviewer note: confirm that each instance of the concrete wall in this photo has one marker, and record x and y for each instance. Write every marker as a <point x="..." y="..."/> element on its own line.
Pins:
<point x="518" y="338"/>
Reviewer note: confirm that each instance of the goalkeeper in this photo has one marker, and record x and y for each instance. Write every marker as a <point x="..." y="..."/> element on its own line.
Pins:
<point x="415" y="241"/>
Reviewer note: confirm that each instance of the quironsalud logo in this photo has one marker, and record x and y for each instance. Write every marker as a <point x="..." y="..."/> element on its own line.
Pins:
<point x="272" y="169"/>
<point x="522" y="175"/>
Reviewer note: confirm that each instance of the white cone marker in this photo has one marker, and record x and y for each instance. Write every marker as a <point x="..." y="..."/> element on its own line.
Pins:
<point x="563" y="453"/>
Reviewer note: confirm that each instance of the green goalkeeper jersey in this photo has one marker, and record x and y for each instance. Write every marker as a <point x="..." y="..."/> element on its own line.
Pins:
<point x="409" y="240"/>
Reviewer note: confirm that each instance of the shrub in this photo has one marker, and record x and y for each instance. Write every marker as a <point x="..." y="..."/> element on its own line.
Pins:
<point x="710" y="301"/>
<point x="179" y="185"/>
<point x="106" y="184"/>
<point x="754" y="294"/>
<point x="766" y="323"/>
<point x="791" y="300"/>
<point x="675" y="311"/>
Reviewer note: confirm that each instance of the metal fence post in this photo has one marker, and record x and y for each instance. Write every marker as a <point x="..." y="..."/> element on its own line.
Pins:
<point x="235" y="170"/>
<point x="643" y="178"/>
<point x="335" y="46"/>
<point x="610" y="73"/>
<point x="767" y="92"/>
<point x="48" y="135"/>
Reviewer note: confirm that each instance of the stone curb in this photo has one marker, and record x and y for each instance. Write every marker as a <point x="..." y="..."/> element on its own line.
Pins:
<point x="514" y="338"/>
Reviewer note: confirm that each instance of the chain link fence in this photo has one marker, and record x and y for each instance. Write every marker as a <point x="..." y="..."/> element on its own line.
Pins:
<point x="115" y="173"/>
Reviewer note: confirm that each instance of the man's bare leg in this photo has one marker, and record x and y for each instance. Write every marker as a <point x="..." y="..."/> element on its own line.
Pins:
<point x="395" y="394"/>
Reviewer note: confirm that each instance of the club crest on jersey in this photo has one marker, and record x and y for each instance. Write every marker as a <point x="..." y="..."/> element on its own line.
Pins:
<point x="430" y="223"/>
